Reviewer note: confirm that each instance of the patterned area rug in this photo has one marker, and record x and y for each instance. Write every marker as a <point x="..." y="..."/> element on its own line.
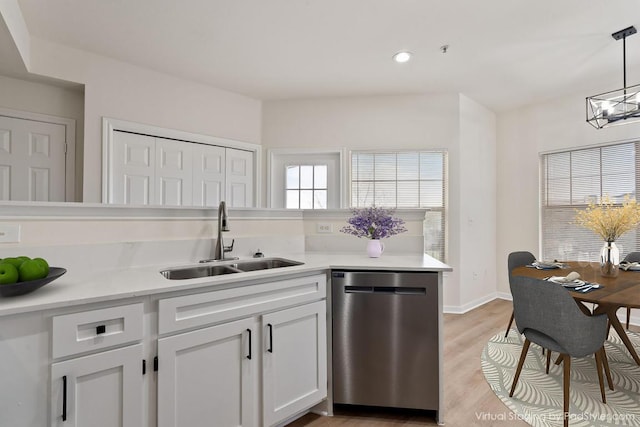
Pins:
<point x="538" y="397"/>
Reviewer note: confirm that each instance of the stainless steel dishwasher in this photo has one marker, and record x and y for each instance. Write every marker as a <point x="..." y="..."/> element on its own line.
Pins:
<point x="386" y="339"/>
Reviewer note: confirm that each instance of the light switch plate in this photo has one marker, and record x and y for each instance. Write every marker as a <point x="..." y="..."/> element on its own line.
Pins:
<point x="9" y="233"/>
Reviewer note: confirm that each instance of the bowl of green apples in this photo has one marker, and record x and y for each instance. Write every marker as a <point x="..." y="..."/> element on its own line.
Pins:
<point x="21" y="275"/>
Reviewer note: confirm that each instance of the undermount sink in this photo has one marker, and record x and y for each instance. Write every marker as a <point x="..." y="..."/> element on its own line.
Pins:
<point x="227" y="268"/>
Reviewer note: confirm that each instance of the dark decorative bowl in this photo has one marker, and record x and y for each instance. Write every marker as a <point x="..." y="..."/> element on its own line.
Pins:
<point x="21" y="288"/>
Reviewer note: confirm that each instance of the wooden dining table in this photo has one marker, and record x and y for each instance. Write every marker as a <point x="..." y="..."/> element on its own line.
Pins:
<point x="616" y="292"/>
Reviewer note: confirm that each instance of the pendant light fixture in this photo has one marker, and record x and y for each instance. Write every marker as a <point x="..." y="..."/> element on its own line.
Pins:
<point x="621" y="106"/>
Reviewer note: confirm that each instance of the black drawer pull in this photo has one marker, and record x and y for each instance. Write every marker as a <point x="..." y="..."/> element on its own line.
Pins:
<point x="249" y="355"/>
<point x="101" y="329"/>
<point x="64" y="398"/>
<point x="270" y="326"/>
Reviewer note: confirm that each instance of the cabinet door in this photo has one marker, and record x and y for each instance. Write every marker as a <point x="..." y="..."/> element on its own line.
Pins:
<point x="239" y="176"/>
<point x="208" y="175"/>
<point x="132" y="169"/>
<point x="208" y="377"/>
<point x="294" y="361"/>
<point x="173" y="173"/>
<point x="102" y="390"/>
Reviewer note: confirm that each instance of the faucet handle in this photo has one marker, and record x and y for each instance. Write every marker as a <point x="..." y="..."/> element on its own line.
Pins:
<point x="229" y="248"/>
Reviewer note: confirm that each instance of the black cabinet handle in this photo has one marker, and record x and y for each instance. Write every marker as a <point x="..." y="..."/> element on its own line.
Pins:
<point x="249" y="355"/>
<point x="101" y="329"/>
<point x="64" y="398"/>
<point x="270" y="326"/>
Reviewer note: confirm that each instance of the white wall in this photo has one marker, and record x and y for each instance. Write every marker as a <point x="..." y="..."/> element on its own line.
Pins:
<point x="447" y="121"/>
<point x="522" y="135"/>
<point x="128" y="92"/>
<point x="477" y="219"/>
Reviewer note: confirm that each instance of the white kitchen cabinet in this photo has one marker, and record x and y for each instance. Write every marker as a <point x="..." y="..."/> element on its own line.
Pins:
<point x="99" y="390"/>
<point x="208" y="377"/>
<point x="104" y="388"/>
<point x="294" y="361"/>
<point x="205" y="376"/>
<point x="148" y="170"/>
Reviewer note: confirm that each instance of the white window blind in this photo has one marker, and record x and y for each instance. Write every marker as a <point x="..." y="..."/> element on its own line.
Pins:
<point x="404" y="180"/>
<point x="572" y="179"/>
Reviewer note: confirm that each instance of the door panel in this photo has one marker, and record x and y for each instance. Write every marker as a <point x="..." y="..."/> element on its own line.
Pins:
<point x="173" y="173"/>
<point x="133" y="169"/>
<point x="208" y="175"/>
<point x="239" y="178"/>
<point x="206" y="378"/>
<point x="102" y="390"/>
<point x="32" y="160"/>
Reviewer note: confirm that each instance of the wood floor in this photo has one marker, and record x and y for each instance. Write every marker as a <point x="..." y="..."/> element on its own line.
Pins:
<point x="468" y="399"/>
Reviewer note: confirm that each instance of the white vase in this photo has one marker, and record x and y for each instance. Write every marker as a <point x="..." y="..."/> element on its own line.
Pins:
<point x="375" y="248"/>
<point x="609" y="260"/>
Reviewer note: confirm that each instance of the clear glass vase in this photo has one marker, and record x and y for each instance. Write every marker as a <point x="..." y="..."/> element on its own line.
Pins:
<point x="609" y="260"/>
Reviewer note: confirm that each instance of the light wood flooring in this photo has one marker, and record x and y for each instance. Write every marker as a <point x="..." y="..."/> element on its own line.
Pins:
<point x="468" y="399"/>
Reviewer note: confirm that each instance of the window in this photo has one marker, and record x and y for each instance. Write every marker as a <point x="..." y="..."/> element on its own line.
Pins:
<point x="306" y="186"/>
<point x="404" y="180"/>
<point x="572" y="179"/>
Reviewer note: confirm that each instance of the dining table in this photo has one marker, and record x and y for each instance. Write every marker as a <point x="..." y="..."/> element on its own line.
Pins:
<point x="623" y="290"/>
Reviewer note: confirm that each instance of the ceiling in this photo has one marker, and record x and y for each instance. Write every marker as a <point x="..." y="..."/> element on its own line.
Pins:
<point x="503" y="53"/>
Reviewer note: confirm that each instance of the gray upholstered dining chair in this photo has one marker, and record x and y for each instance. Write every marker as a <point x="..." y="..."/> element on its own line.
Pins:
<point x="631" y="257"/>
<point x="548" y="315"/>
<point x="517" y="259"/>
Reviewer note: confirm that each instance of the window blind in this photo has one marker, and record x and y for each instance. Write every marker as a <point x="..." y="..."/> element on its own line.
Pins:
<point x="569" y="181"/>
<point x="404" y="180"/>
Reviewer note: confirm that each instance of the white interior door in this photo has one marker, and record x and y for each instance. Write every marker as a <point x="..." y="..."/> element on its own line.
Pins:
<point x="173" y="173"/>
<point x="133" y="167"/>
<point x="32" y="160"/>
<point x="208" y="175"/>
<point x="239" y="174"/>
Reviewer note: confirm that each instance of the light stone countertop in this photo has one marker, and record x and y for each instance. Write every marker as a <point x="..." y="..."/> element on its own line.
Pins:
<point x="76" y="287"/>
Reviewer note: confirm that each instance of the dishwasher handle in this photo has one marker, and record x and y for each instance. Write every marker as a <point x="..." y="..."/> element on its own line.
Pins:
<point x="391" y="290"/>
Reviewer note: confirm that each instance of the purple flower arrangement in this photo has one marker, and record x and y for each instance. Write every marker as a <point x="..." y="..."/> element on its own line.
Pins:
<point x="373" y="223"/>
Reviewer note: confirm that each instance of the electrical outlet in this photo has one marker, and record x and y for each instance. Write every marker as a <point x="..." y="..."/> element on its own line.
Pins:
<point x="324" y="227"/>
<point x="9" y="233"/>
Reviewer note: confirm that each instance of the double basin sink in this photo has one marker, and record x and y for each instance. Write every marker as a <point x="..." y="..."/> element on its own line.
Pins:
<point x="208" y="270"/>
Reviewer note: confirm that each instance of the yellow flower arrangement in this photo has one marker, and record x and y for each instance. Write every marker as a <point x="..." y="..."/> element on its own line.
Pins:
<point x="608" y="220"/>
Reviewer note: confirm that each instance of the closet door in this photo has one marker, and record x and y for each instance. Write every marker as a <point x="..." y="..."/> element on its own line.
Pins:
<point x="208" y="175"/>
<point x="239" y="186"/>
<point x="133" y="169"/>
<point x="173" y="178"/>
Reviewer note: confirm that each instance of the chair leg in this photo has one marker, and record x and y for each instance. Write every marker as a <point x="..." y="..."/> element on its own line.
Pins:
<point x="511" y="323"/>
<point x="607" y="372"/>
<point x="566" y="380"/>
<point x="523" y="356"/>
<point x="558" y="360"/>
<point x="628" y="316"/>
<point x="598" y="356"/>
<point x="548" y="360"/>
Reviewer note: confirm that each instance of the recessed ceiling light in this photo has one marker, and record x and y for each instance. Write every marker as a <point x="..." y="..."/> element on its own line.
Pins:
<point x="402" y="56"/>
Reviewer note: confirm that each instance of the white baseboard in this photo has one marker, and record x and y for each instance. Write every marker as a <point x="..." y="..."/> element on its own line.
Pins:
<point x="622" y="313"/>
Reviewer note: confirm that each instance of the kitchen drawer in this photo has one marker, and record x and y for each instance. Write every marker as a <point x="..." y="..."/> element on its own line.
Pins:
<point x="192" y="311"/>
<point x="96" y="329"/>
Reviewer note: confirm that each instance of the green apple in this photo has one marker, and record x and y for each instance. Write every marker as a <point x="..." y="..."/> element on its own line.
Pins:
<point x="31" y="270"/>
<point x="44" y="263"/>
<point x="15" y="261"/>
<point x="8" y="274"/>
